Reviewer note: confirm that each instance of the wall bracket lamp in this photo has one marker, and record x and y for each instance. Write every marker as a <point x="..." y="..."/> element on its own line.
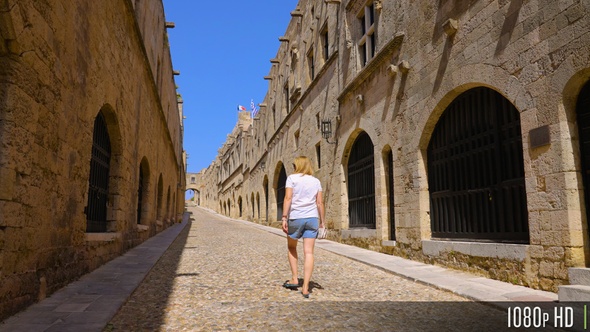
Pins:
<point x="326" y="127"/>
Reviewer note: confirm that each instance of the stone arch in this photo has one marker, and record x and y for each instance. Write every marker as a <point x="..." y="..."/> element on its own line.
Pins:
<point x="101" y="200"/>
<point x="159" y="197"/>
<point x="476" y="170"/>
<point x="583" y="135"/>
<point x="266" y="189"/>
<point x="258" y="204"/>
<point x="240" y="206"/>
<point x="359" y="165"/>
<point x="253" y="214"/>
<point x="280" y="176"/>
<point x="387" y="160"/>
<point x="143" y="184"/>
<point x="167" y="217"/>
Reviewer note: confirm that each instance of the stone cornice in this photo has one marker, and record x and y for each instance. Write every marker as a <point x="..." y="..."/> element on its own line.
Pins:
<point x="377" y="61"/>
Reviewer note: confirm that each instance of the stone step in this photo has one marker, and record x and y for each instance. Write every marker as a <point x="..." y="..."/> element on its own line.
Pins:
<point x="579" y="276"/>
<point x="574" y="293"/>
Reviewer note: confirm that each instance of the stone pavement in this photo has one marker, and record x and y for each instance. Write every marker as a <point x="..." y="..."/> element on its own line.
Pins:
<point x="213" y="273"/>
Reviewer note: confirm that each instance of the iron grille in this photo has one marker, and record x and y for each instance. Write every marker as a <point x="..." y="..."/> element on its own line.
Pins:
<point x="390" y="195"/>
<point x="476" y="171"/>
<point x="281" y="192"/>
<point x="96" y="210"/>
<point x="583" y="119"/>
<point x="361" y="183"/>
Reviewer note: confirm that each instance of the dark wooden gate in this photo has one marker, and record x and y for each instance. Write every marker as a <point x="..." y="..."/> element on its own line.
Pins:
<point x="281" y="192"/>
<point x="96" y="210"/>
<point x="140" y="195"/>
<point x="361" y="183"/>
<point x="390" y="198"/>
<point x="583" y="119"/>
<point x="476" y="171"/>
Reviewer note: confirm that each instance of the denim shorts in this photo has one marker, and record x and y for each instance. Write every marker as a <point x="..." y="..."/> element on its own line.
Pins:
<point x="304" y="227"/>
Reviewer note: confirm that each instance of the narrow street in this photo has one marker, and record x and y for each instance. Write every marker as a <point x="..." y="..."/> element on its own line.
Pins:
<point x="224" y="275"/>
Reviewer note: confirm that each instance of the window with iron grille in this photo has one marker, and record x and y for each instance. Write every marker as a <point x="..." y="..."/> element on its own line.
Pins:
<point x="281" y="192"/>
<point x="286" y="100"/>
<point x="361" y="183"/>
<point x="476" y="170"/>
<point x="318" y="154"/>
<point x="98" y="190"/>
<point x="583" y="119"/>
<point x="325" y="43"/>
<point x="367" y="41"/>
<point x="311" y="64"/>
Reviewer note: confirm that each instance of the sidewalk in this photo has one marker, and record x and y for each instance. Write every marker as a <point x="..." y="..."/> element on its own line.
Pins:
<point x="91" y="302"/>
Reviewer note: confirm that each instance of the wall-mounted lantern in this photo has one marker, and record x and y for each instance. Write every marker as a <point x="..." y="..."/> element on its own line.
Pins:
<point x="262" y="165"/>
<point x="326" y="128"/>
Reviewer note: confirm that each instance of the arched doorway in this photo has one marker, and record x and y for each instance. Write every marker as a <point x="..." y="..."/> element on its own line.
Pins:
<point x="388" y="163"/>
<point x="583" y="120"/>
<point x="159" y="197"/>
<point x="266" y="194"/>
<point x="240" y="206"/>
<point x="361" y="183"/>
<point x="476" y="170"/>
<point x="281" y="191"/>
<point x="258" y="204"/>
<point x="253" y="214"/>
<point x="98" y="189"/>
<point x="142" y="190"/>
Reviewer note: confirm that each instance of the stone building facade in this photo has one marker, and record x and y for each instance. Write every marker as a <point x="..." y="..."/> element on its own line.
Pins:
<point x="91" y="155"/>
<point x="450" y="132"/>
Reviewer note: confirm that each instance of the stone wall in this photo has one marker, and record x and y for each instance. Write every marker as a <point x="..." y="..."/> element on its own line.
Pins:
<point x="533" y="53"/>
<point x="60" y="65"/>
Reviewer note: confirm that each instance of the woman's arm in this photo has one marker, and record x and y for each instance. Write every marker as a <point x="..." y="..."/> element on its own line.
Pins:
<point x="286" y="207"/>
<point x="320" y="204"/>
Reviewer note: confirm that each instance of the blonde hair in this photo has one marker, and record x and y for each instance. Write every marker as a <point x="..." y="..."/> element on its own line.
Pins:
<point x="303" y="165"/>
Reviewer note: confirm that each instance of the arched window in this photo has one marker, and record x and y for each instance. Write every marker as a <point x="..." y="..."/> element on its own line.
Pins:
<point x="281" y="192"/>
<point x="361" y="183"/>
<point x="476" y="170"/>
<point x="98" y="190"/>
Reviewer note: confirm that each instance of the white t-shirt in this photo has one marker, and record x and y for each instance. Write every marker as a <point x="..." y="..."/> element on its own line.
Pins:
<point x="305" y="190"/>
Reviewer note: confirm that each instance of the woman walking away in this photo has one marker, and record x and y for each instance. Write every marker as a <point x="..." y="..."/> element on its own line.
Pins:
<point x="302" y="208"/>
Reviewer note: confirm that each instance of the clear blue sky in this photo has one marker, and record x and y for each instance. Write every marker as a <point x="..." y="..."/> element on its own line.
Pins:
<point x="222" y="50"/>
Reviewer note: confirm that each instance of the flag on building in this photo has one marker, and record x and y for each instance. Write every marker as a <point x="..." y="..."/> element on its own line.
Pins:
<point x="254" y="109"/>
<point x="241" y="108"/>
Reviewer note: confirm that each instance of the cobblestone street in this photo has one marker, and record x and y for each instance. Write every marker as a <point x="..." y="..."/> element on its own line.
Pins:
<point x="223" y="275"/>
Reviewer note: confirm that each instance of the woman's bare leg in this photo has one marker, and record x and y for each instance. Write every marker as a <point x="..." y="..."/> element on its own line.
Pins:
<point x="292" y="245"/>
<point x="308" y="245"/>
